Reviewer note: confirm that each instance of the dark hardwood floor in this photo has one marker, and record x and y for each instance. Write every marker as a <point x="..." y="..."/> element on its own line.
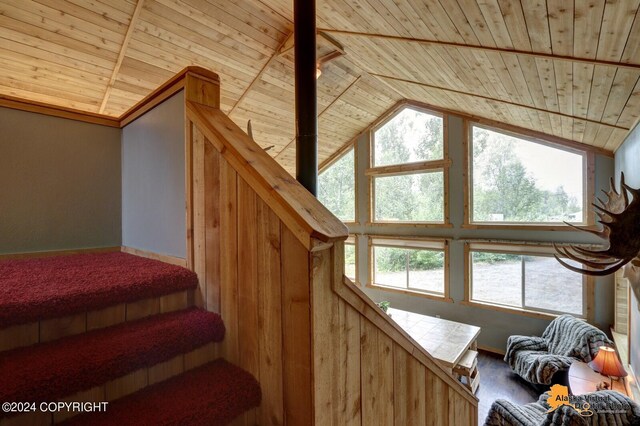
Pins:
<point x="497" y="381"/>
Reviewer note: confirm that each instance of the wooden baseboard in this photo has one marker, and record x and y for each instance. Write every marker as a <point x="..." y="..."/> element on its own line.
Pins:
<point x="50" y="253"/>
<point x="155" y="256"/>
<point x="492" y="350"/>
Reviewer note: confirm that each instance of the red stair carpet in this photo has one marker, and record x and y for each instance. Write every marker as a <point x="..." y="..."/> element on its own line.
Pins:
<point x="34" y="289"/>
<point x="49" y="371"/>
<point x="212" y="395"/>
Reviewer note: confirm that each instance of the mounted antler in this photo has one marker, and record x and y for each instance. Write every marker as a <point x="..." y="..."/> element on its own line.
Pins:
<point x="620" y="220"/>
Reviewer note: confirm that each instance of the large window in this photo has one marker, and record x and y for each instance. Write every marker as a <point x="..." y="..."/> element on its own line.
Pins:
<point x="524" y="277"/>
<point x="410" y="136"/>
<point x="516" y="180"/>
<point x="351" y="259"/>
<point x="410" y="265"/>
<point x="337" y="187"/>
<point x="409" y="169"/>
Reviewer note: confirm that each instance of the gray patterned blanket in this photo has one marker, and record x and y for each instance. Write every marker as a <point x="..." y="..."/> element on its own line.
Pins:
<point x="537" y="359"/>
<point x="614" y="410"/>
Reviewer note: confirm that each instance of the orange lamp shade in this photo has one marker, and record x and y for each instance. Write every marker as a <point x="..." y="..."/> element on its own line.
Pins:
<point x="607" y="363"/>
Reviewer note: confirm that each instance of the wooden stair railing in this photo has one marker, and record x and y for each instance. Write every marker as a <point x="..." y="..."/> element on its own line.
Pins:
<point x="270" y="259"/>
<point x="369" y="370"/>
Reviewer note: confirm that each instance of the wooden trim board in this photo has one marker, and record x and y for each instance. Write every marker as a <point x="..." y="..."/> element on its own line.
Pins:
<point x="483" y="48"/>
<point x="55" y="111"/>
<point x="173" y="260"/>
<point x="30" y="255"/>
<point x="186" y="79"/>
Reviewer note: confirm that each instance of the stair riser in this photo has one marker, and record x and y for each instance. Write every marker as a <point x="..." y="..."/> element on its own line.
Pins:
<point x="123" y="386"/>
<point x="51" y="329"/>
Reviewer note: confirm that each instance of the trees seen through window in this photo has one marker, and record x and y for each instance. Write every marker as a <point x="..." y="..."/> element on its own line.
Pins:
<point x="411" y="136"/>
<point x="337" y="188"/>
<point x="516" y="180"/>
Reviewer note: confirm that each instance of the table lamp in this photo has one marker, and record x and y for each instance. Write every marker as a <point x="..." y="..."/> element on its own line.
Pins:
<point x="608" y="364"/>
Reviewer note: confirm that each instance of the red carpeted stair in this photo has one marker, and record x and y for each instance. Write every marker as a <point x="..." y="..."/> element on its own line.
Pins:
<point x="50" y="371"/>
<point x="211" y="395"/>
<point x="35" y="289"/>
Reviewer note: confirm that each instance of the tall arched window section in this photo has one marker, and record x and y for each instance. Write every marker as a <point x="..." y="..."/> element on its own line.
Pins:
<point x="337" y="186"/>
<point x="409" y="170"/>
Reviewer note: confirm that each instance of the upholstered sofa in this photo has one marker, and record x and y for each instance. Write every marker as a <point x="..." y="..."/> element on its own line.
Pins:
<point x="538" y="359"/>
<point x="609" y="408"/>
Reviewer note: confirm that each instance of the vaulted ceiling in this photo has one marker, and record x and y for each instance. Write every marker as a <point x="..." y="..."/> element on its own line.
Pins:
<point x="562" y="67"/>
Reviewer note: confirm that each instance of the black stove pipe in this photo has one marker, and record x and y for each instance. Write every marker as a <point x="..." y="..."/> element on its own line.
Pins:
<point x="304" y="13"/>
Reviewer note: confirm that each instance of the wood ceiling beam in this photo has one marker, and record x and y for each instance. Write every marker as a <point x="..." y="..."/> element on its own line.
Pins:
<point x="484" y="48"/>
<point x="121" y="55"/>
<point x="276" y="53"/>
<point x="320" y="115"/>
<point x="459" y="92"/>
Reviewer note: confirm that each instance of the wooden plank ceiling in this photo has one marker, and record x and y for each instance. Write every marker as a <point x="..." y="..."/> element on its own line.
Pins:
<point x="568" y="69"/>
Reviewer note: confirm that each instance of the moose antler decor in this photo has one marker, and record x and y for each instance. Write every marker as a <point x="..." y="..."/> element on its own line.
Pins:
<point x="620" y="221"/>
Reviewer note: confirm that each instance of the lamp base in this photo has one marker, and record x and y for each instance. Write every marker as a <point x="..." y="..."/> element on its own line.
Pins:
<point x="603" y="385"/>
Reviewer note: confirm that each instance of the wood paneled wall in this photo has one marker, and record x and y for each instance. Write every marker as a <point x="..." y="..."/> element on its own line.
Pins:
<point x="270" y="259"/>
<point x="366" y="369"/>
<point x="255" y="273"/>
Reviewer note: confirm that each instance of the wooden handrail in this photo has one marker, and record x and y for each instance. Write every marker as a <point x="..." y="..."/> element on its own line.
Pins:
<point x="311" y="222"/>
<point x="168" y="89"/>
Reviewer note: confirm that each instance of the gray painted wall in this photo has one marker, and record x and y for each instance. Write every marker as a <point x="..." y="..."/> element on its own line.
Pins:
<point x="153" y="180"/>
<point x="60" y="183"/>
<point x="496" y="326"/>
<point x="627" y="161"/>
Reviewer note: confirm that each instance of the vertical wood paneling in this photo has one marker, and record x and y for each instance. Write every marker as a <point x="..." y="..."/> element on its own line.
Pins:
<point x="345" y="334"/>
<point x="377" y="375"/>
<point x="437" y="404"/>
<point x="229" y="261"/>
<point x="247" y="264"/>
<point x="297" y="332"/>
<point x="400" y="385"/>
<point x="409" y="389"/>
<point x="271" y="411"/>
<point x="336" y="332"/>
<point x="460" y="412"/>
<point x="325" y="320"/>
<point x="348" y="341"/>
<point x="199" y="265"/>
<point x="212" y="228"/>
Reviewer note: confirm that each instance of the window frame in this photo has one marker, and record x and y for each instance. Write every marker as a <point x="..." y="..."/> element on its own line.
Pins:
<point x="588" y="184"/>
<point x="523" y="249"/>
<point x="411" y="168"/>
<point x="352" y="239"/>
<point x="397" y="241"/>
<point x="337" y="157"/>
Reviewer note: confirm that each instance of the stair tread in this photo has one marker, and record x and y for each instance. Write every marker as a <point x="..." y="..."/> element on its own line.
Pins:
<point x="213" y="394"/>
<point x="48" y="371"/>
<point x="40" y="288"/>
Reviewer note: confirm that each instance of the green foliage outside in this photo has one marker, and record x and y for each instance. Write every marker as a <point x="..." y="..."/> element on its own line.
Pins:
<point x="337" y="188"/>
<point x="349" y="254"/>
<point x="504" y="191"/>
<point x="491" y="258"/>
<point x="411" y="197"/>
<point x="391" y="259"/>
